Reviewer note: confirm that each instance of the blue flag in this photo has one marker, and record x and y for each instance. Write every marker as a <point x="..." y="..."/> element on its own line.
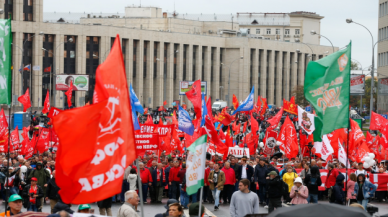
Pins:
<point x="204" y="110"/>
<point x="136" y="107"/>
<point x="184" y="122"/>
<point x="135" y="101"/>
<point x="247" y="105"/>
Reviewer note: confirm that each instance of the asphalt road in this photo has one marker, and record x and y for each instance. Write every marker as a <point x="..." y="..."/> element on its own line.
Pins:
<point x="150" y="210"/>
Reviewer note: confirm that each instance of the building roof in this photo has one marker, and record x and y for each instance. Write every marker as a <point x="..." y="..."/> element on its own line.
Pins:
<point x="71" y="17"/>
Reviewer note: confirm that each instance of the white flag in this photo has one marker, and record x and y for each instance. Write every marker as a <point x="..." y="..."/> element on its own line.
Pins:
<point x="196" y="159"/>
<point x="342" y="154"/>
<point x="324" y="148"/>
<point x="306" y="121"/>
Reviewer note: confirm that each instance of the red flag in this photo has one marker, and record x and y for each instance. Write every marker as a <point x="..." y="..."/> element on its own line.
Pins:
<point x="258" y="104"/>
<point x="274" y="121"/>
<point x="213" y="135"/>
<point x="254" y="126"/>
<point x="292" y="100"/>
<point x="174" y="118"/>
<point x="235" y="102"/>
<point x="25" y="142"/>
<point x="164" y="103"/>
<point x="265" y="106"/>
<point x="25" y="100"/>
<point x="209" y="107"/>
<point x="378" y="122"/>
<point x="362" y="151"/>
<point x="15" y="138"/>
<point x="3" y="123"/>
<point x="47" y="69"/>
<point x="356" y="138"/>
<point x="146" y="111"/>
<point x="194" y="95"/>
<point x="43" y="141"/>
<point x="224" y="117"/>
<point x="245" y="126"/>
<point x="184" y="106"/>
<point x="237" y="129"/>
<point x="149" y="120"/>
<point x="373" y="143"/>
<point x="69" y="93"/>
<point x="46" y="107"/>
<point x="92" y="171"/>
<point x="222" y="134"/>
<point x="54" y="112"/>
<point x="290" y="107"/>
<point x="287" y="137"/>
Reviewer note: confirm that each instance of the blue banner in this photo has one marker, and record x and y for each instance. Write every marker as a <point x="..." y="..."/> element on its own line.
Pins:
<point x="184" y="122"/>
<point x="247" y="105"/>
<point x="135" y="103"/>
<point x="204" y="110"/>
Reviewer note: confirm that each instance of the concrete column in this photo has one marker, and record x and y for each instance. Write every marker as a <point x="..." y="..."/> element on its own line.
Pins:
<point x="159" y="81"/>
<point x="170" y="74"/>
<point x="80" y="67"/>
<point x="198" y="64"/>
<point x="189" y="71"/>
<point x="37" y="11"/>
<point x="216" y="70"/>
<point x="207" y="69"/>
<point x="279" y="79"/>
<point x="104" y="46"/>
<point x="129" y="61"/>
<point x="37" y="60"/>
<point x="16" y="59"/>
<point x="139" y="68"/>
<point x="180" y="70"/>
<point x="294" y="72"/>
<point x="17" y="10"/>
<point x="263" y="75"/>
<point x="2" y="2"/>
<point x="148" y="83"/>
<point x="244" y="72"/>
<point x="255" y="70"/>
<point x="271" y="73"/>
<point x="301" y="69"/>
<point x="286" y="85"/>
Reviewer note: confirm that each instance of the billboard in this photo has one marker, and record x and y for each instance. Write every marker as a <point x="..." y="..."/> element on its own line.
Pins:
<point x="357" y="85"/>
<point x="185" y="86"/>
<point x="383" y="86"/>
<point x="80" y="82"/>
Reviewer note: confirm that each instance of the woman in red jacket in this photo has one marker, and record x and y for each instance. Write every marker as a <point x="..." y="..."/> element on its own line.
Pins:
<point x="230" y="180"/>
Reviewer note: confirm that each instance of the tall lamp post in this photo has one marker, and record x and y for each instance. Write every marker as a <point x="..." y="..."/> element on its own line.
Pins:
<point x="230" y="66"/>
<point x="312" y="52"/>
<point x="54" y="94"/>
<point x="372" y="67"/>
<point x="313" y="32"/>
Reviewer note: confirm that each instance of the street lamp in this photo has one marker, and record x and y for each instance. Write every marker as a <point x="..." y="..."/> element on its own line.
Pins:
<point x="240" y="58"/>
<point x="373" y="64"/>
<point x="297" y="40"/>
<point x="313" y="32"/>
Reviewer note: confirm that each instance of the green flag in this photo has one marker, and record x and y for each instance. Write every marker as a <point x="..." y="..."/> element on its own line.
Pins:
<point x="196" y="159"/>
<point x="5" y="62"/>
<point x="327" y="88"/>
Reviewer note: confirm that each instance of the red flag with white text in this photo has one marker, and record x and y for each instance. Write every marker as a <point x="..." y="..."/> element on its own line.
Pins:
<point x="46" y="107"/>
<point x="25" y="100"/>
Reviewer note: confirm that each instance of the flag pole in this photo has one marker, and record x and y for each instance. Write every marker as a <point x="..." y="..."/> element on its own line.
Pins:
<point x="200" y="202"/>
<point x="7" y="172"/>
<point x="140" y="188"/>
<point x="50" y="88"/>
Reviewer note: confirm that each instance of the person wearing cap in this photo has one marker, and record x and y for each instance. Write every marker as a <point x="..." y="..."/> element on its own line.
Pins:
<point x="15" y="203"/>
<point x="169" y="202"/>
<point x="33" y="194"/>
<point x="299" y="192"/>
<point x="43" y="176"/>
<point x="274" y="189"/>
<point x="84" y="208"/>
<point x="194" y="210"/>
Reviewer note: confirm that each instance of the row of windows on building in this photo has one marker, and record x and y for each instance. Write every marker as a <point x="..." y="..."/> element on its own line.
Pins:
<point x="383" y="33"/>
<point x="383" y="9"/>
<point x="27" y="10"/>
<point x="277" y="31"/>
<point x="383" y="59"/>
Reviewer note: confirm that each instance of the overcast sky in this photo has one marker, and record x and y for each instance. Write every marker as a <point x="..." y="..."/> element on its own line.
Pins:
<point x="333" y="25"/>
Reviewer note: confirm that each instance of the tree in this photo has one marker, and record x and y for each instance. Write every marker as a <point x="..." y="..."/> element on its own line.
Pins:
<point x="298" y="92"/>
<point x="354" y="66"/>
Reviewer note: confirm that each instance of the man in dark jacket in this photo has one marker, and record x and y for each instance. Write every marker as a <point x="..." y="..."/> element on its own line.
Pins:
<point x="52" y="192"/>
<point x="313" y="181"/>
<point x="43" y="176"/>
<point x="158" y="182"/>
<point x="260" y="178"/>
<point x="245" y="171"/>
<point x="274" y="189"/>
<point x="338" y="196"/>
<point x="33" y="192"/>
<point x="61" y="206"/>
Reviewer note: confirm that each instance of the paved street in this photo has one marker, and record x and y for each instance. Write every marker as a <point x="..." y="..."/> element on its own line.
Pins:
<point x="152" y="209"/>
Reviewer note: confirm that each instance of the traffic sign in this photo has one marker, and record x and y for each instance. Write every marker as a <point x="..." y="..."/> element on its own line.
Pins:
<point x="308" y="109"/>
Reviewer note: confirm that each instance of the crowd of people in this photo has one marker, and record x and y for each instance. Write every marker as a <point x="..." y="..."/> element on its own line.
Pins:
<point x="243" y="183"/>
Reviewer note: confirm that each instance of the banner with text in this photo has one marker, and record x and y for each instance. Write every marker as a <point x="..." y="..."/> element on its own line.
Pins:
<point x="357" y="85"/>
<point x="238" y="152"/>
<point x="146" y="142"/>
